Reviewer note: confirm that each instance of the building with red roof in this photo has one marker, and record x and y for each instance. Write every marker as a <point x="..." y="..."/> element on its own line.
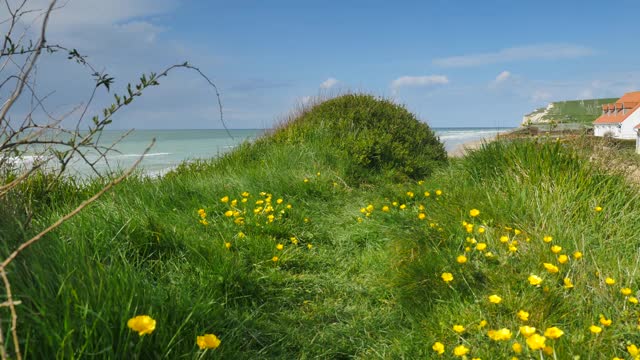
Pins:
<point x="620" y="120"/>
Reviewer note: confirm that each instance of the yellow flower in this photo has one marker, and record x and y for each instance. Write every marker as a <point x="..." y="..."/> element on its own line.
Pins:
<point x="458" y="328"/>
<point x="241" y="235"/>
<point x="438" y="192"/>
<point x="245" y="194"/>
<point x="548" y="350"/>
<point x="633" y="350"/>
<point x="598" y="208"/>
<point x="227" y="245"/>
<point x="536" y="342"/>
<point x="563" y="259"/>
<point x="517" y="348"/>
<point x="595" y="329"/>
<point x="279" y="246"/>
<point x="225" y="199"/>
<point x="427" y="194"/>
<point x="207" y="341"/>
<point x="551" y="268"/>
<point x="447" y="277"/>
<point x="309" y="246"/>
<point x="410" y="194"/>
<point x="482" y="324"/>
<point x="305" y="180"/>
<point x="489" y="254"/>
<point x="567" y="283"/>
<point x="604" y="321"/>
<point x="609" y="281"/>
<point x="547" y="239"/>
<point x="461" y="259"/>
<point x="625" y="291"/>
<point x="422" y="216"/>
<point x="504" y="239"/>
<point x="481" y="230"/>
<point x="474" y="212"/>
<point x="385" y="208"/>
<point x="143" y="324"/>
<point x="499" y="335"/>
<point x="460" y="350"/>
<point x="481" y="246"/>
<point x="553" y="332"/>
<point x="279" y="201"/>
<point x="234" y="202"/>
<point x="513" y="248"/>
<point x="369" y="208"/>
<point x="438" y="347"/>
<point x="395" y="203"/>
<point x="633" y="299"/>
<point x="523" y="315"/>
<point x="556" y="249"/>
<point x="577" y="255"/>
<point x="535" y="280"/>
<point x="294" y="240"/>
<point x="495" y="299"/>
<point x="403" y="206"/>
<point x="204" y="222"/>
<point x="239" y="221"/>
<point x="527" y="331"/>
<point x="275" y="259"/>
<point x="228" y="213"/>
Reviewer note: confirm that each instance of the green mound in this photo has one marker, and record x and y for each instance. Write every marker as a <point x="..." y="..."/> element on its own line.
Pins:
<point x="374" y="134"/>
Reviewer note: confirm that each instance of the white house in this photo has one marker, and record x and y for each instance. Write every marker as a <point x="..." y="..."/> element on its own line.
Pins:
<point x="620" y="120"/>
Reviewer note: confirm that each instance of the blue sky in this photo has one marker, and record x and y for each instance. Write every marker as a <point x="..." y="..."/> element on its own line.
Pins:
<point x="453" y="63"/>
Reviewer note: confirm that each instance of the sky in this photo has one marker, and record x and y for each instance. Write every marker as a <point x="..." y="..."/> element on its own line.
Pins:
<point x="453" y="63"/>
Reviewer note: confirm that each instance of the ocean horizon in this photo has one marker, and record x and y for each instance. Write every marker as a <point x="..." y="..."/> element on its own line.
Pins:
<point x="174" y="146"/>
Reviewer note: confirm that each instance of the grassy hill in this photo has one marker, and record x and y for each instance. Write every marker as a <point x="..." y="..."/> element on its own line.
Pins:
<point x="573" y="111"/>
<point x="345" y="234"/>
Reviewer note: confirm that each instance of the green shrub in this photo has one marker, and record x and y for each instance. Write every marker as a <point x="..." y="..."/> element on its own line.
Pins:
<point x="375" y="134"/>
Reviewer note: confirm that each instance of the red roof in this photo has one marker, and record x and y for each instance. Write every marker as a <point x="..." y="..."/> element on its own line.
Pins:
<point x="628" y="101"/>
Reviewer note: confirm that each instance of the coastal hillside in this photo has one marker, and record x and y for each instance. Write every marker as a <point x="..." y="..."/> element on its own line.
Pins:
<point x="572" y="111"/>
<point x="345" y="233"/>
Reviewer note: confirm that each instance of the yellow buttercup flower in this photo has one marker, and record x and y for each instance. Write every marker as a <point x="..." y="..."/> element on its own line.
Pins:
<point x="460" y="350"/>
<point x="438" y="347"/>
<point x="474" y="212"/>
<point x="517" y="348"/>
<point x="609" y="281"/>
<point x="567" y="283"/>
<point x="385" y="208"/>
<point x="633" y="299"/>
<point x="535" y="280"/>
<point x="422" y="216"/>
<point x="481" y="230"/>
<point x="207" y="341"/>
<point x="403" y="206"/>
<point x="461" y="259"/>
<point x="438" y="192"/>
<point x="556" y="249"/>
<point x="523" y="315"/>
<point x="553" y="332"/>
<point x="227" y="245"/>
<point x="536" y="342"/>
<point x="279" y="246"/>
<point x="447" y="277"/>
<point x="547" y="239"/>
<point x="551" y="268"/>
<point x="495" y="299"/>
<point x="563" y="259"/>
<point x="481" y="246"/>
<point x="633" y="350"/>
<point x="482" y="324"/>
<point x="527" y="331"/>
<point x="517" y="232"/>
<point x="294" y="240"/>
<point x="225" y="199"/>
<point x="598" y="208"/>
<point x="625" y="291"/>
<point x="142" y="324"/>
<point x="309" y="246"/>
<point x="458" y="328"/>
<point x="503" y="334"/>
<point x="595" y="329"/>
<point x="275" y="259"/>
<point x="228" y="213"/>
<point x="577" y="255"/>
<point x="604" y="321"/>
<point x="245" y="194"/>
<point x="504" y="239"/>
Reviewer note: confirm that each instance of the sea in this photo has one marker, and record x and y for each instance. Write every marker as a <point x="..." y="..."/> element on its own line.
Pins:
<point x="173" y="147"/>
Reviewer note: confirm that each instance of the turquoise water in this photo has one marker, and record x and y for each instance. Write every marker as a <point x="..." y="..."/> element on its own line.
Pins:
<point x="175" y="146"/>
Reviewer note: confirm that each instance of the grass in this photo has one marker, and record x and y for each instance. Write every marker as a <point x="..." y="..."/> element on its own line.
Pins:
<point x="576" y="111"/>
<point x="361" y="277"/>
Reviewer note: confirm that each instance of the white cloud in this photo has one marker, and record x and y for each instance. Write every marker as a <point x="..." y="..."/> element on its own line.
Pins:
<point x="417" y="81"/>
<point x="541" y="95"/>
<point x="529" y="52"/>
<point x="329" y="83"/>
<point x="502" y="77"/>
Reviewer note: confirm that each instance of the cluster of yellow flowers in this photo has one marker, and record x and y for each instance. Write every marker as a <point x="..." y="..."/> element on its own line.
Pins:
<point x="409" y="199"/>
<point x="558" y="266"/>
<point x="145" y="324"/>
<point x="249" y="214"/>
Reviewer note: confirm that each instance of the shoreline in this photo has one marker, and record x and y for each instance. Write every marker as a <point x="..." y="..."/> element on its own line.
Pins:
<point x="462" y="149"/>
